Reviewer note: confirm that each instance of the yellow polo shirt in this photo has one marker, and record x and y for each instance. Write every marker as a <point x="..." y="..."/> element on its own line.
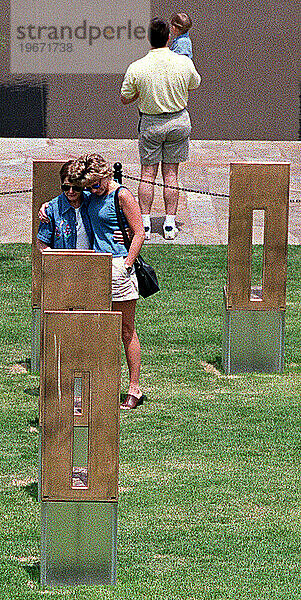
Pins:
<point x="162" y="79"/>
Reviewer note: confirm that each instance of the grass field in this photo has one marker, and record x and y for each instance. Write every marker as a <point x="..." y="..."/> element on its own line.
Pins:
<point x="209" y="467"/>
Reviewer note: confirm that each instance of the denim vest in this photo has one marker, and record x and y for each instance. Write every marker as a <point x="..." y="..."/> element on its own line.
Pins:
<point x="60" y="233"/>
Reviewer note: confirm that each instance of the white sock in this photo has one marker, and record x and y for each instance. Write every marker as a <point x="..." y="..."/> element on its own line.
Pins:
<point x="146" y="220"/>
<point x="170" y="220"/>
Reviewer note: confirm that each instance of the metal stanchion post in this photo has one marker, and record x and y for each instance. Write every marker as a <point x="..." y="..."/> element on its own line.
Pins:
<point x="118" y="172"/>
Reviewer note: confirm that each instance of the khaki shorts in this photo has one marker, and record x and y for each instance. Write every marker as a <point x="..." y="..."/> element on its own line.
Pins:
<point x="164" y="138"/>
<point x="124" y="284"/>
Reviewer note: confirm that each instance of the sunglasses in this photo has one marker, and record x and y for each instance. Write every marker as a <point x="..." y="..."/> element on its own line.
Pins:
<point x="94" y="186"/>
<point x="66" y="187"/>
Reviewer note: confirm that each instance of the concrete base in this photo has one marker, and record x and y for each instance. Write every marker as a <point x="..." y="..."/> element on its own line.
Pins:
<point x="78" y="543"/>
<point x="253" y="341"/>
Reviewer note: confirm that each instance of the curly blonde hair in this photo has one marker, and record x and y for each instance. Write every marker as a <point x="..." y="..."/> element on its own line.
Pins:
<point x="89" y="168"/>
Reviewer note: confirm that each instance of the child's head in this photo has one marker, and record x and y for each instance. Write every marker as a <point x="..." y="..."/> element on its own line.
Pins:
<point x="181" y="22"/>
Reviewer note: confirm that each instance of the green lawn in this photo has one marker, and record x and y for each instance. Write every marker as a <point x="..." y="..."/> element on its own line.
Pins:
<point x="209" y="506"/>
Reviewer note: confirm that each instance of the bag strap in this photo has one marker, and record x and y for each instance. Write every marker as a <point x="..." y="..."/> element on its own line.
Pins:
<point x="126" y="240"/>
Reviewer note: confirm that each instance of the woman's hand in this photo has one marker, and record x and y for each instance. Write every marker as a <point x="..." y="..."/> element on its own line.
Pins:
<point x="42" y="214"/>
<point x="132" y="213"/>
<point x="41" y="246"/>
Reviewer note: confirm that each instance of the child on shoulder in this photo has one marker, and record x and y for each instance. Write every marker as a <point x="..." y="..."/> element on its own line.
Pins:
<point x="180" y="25"/>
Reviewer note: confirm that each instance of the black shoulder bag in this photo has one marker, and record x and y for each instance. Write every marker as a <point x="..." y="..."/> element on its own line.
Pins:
<point x="146" y="276"/>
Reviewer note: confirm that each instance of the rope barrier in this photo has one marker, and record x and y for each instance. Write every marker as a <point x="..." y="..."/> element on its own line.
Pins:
<point x="15" y="192"/>
<point x="182" y="189"/>
<point x="173" y="187"/>
<point x="154" y="183"/>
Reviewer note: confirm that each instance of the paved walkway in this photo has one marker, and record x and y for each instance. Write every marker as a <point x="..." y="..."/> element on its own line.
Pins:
<point x="202" y="218"/>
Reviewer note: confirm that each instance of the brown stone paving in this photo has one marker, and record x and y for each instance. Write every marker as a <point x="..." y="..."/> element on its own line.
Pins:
<point x="202" y="218"/>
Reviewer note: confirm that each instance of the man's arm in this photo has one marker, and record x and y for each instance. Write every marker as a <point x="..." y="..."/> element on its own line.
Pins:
<point x="129" y="92"/>
<point x="125" y="100"/>
<point x="195" y="78"/>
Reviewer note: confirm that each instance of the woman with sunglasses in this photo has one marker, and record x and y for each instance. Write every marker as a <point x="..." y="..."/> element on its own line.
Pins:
<point x="68" y="223"/>
<point x="95" y="174"/>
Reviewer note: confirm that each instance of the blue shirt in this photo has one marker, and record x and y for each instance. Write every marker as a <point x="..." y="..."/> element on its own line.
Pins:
<point x="182" y="45"/>
<point x="60" y="233"/>
<point x="104" y="222"/>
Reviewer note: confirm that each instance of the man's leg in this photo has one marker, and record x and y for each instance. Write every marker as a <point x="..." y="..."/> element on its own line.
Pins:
<point x="146" y="194"/>
<point x="175" y="150"/>
<point x="171" y="198"/>
<point x="146" y="190"/>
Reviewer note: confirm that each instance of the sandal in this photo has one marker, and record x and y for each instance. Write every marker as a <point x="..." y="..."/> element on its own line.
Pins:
<point x="132" y="401"/>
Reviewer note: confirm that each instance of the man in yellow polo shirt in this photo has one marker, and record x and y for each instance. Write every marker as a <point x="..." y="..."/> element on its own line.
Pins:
<point x="161" y="81"/>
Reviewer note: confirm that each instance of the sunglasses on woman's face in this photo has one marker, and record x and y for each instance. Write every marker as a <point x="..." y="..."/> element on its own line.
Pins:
<point x="94" y="186"/>
<point x="66" y="187"/>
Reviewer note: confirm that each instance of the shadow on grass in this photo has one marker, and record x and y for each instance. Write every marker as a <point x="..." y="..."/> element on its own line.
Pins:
<point x="32" y="391"/>
<point x="32" y="490"/>
<point x="217" y="362"/>
<point x="33" y="571"/>
<point x="26" y="363"/>
<point x="34" y="422"/>
<point x="5" y="258"/>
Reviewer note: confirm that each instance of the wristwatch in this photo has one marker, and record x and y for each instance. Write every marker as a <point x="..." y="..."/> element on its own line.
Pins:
<point x="128" y="268"/>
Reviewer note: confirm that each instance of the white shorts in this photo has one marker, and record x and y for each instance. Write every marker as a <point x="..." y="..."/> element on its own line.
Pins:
<point x="124" y="284"/>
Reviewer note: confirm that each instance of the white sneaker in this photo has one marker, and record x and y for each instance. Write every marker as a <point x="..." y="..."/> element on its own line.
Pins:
<point x="170" y="232"/>
<point x="147" y="231"/>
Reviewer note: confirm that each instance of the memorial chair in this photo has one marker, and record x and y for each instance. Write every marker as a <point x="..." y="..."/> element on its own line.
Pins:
<point x="77" y="349"/>
<point x="254" y="313"/>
